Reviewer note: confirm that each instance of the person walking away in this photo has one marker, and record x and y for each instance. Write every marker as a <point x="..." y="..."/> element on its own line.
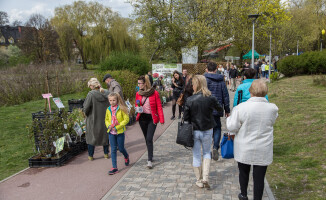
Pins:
<point x="116" y="119"/>
<point x="242" y="94"/>
<point x="218" y="89"/>
<point x="226" y="76"/>
<point x="149" y="99"/>
<point x="177" y="85"/>
<point x="257" y="67"/>
<point x="113" y="85"/>
<point x="252" y="122"/>
<point x="94" y="108"/>
<point x="267" y="70"/>
<point x="199" y="112"/>
<point x="188" y="90"/>
<point x="233" y="76"/>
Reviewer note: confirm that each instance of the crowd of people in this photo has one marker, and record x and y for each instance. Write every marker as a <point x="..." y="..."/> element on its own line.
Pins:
<point x="205" y="100"/>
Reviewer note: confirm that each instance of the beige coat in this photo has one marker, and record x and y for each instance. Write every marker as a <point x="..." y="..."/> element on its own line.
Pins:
<point x="114" y="86"/>
<point x="252" y="122"/>
<point x="95" y="106"/>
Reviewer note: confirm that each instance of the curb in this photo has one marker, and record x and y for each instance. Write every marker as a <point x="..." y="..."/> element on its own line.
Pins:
<point x="269" y="191"/>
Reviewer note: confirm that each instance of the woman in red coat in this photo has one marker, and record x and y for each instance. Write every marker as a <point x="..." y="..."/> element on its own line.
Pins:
<point x="149" y="114"/>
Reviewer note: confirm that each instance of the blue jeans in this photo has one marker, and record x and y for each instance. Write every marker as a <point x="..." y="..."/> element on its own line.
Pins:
<point x="201" y="139"/>
<point x="117" y="141"/>
<point x="217" y="132"/>
<point x="91" y="149"/>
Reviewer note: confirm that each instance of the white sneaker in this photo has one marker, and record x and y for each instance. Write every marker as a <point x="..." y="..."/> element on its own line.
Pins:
<point x="149" y="165"/>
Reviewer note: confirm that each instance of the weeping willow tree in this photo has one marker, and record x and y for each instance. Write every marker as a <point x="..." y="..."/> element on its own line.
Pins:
<point x="93" y="31"/>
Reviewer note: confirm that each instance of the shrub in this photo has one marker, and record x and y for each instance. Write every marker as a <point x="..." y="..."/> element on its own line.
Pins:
<point x="25" y="83"/>
<point x="319" y="80"/>
<point x="125" y="61"/>
<point x="274" y="76"/>
<point x="308" y="63"/>
<point x="127" y="80"/>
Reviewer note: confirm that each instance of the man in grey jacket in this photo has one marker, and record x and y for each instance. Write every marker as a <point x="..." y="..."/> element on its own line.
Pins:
<point x="113" y="85"/>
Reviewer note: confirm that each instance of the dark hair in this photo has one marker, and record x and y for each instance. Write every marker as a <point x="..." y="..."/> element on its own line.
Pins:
<point x="180" y="76"/>
<point x="249" y="73"/>
<point x="211" y="66"/>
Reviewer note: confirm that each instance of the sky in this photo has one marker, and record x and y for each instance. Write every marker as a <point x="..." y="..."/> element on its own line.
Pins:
<point x="22" y="9"/>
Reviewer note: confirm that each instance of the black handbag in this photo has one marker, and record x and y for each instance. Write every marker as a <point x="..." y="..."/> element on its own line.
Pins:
<point x="185" y="134"/>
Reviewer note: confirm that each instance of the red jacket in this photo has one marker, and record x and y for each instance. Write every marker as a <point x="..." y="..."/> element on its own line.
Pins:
<point x="156" y="107"/>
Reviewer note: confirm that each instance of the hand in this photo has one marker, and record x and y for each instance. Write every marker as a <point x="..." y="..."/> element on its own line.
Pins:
<point x="109" y="128"/>
<point x="227" y="115"/>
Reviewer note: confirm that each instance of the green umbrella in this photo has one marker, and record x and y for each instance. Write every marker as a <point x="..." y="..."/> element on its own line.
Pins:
<point x="249" y="55"/>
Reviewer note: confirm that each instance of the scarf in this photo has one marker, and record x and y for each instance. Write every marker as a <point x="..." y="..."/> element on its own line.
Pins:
<point x="114" y="120"/>
<point x="146" y="93"/>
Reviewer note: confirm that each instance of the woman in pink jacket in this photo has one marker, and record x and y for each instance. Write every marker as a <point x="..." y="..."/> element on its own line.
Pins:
<point x="149" y="114"/>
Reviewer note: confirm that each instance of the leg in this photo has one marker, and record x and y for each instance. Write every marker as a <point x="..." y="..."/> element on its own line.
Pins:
<point x="244" y="171"/>
<point x="206" y="143"/>
<point x="180" y="111"/>
<point x="196" y="149"/>
<point x="259" y="176"/>
<point x="149" y="139"/>
<point x="90" y="150"/>
<point x="113" y="143"/>
<point x="106" y="151"/>
<point x="173" y="108"/>
<point x="217" y="137"/>
<point x="121" y="144"/>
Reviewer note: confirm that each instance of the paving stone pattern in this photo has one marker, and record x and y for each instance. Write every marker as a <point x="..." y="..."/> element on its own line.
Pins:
<point x="172" y="176"/>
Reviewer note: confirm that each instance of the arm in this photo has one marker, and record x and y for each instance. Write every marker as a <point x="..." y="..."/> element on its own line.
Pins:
<point x="87" y="107"/>
<point x="233" y="122"/>
<point x="226" y="99"/>
<point x="235" y="100"/>
<point x="124" y="122"/>
<point x="107" y="119"/>
<point x="186" y="113"/>
<point x="159" y="107"/>
<point x="216" y="104"/>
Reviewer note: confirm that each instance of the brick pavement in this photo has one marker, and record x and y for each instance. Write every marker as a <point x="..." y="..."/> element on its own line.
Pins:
<point x="173" y="178"/>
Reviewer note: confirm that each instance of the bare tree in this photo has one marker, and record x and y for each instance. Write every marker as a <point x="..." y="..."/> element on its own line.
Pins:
<point x="17" y="23"/>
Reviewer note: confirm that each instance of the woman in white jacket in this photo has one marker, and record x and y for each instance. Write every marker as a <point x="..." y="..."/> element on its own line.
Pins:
<point x="252" y="122"/>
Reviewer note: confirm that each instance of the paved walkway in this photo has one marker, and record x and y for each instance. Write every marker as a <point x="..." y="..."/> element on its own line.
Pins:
<point x="173" y="178"/>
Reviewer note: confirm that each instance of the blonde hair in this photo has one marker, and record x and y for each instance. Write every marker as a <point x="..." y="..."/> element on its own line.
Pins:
<point x="120" y="103"/>
<point x="258" y="88"/>
<point x="201" y="85"/>
<point x="96" y="84"/>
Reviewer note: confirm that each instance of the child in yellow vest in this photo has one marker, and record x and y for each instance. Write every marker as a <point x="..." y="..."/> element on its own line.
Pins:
<point x="116" y="119"/>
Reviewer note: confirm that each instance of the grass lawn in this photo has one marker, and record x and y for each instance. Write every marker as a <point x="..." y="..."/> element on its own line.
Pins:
<point x="299" y="167"/>
<point x="15" y="145"/>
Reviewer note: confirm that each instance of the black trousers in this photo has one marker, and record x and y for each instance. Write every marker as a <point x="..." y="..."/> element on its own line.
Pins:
<point x="148" y="128"/>
<point x="258" y="176"/>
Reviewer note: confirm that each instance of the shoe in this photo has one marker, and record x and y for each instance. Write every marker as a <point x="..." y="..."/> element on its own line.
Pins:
<point x="215" y="154"/>
<point x="127" y="161"/>
<point x="173" y="118"/>
<point x="241" y="197"/>
<point x="179" y="117"/>
<point x="206" y="166"/>
<point x="199" y="176"/>
<point x="90" y="158"/>
<point x="113" y="171"/>
<point x="106" y="156"/>
<point x="149" y="165"/>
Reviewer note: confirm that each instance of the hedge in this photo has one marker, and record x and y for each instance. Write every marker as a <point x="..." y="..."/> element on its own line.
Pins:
<point x="313" y="62"/>
<point x="125" y="61"/>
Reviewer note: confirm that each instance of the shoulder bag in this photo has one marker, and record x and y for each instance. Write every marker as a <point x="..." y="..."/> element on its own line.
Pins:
<point x="185" y="134"/>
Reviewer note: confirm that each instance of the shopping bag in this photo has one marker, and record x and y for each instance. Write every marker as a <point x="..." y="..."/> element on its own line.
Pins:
<point x="185" y="134"/>
<point x="227" y="146"/>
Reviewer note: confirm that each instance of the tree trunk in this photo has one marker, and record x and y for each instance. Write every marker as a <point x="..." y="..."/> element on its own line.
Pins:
<point x="154" y="53"/>
<point x="81" y="54"/>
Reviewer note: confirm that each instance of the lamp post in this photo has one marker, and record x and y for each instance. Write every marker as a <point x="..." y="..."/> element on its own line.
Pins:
<point x="270" y="56"/>
<point x="321" y="41"/>
<point x="254" y="17"/>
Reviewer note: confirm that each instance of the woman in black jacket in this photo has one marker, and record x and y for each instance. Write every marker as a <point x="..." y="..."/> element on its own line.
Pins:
<point x="199" y="111"/>
<point x="177" y="85"/>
